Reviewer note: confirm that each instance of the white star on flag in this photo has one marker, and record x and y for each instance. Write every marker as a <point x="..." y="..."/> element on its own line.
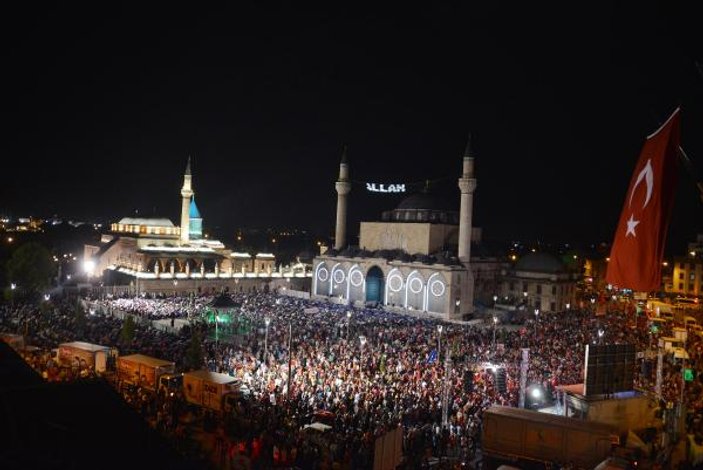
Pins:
<point x="631" y="224"/>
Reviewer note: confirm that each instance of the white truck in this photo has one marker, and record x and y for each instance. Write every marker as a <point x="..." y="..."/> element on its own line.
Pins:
<point x="208" y="389"/>
<point x="138" y="369"/>
<point x="92" y="356"/>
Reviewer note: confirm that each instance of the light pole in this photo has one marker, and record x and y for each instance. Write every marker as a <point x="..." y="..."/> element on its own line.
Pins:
<point x="349" y="315"/>
<point x="267" y="321"/>
<point x="495" y="299"/>
<point x="13" y="286"/>
<point x="601" y="332"/>
<point x="290" y="359"/>
<point x="568" y="306"/>
<point x="495" y="324"/>
<point x="217" y="320"/>
<point x="536" y="319"/>
<point x="362" y="340"/>
<point x="439" y="341"/>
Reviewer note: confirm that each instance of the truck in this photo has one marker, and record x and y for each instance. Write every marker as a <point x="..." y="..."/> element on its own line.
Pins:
<point x="93" y="356"/>
<point x="516" y="436"/>
<point x="209" y="389"/>
<point x="145" y="371"/>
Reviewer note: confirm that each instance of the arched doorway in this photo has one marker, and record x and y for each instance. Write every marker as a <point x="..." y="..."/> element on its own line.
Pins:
<point x="374" y="285"/>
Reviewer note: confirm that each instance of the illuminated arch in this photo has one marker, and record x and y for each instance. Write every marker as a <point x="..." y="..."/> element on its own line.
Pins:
<point x="354" y="269"/>
<point x="320" y="267"/>
<point x="414" y="284"/>
<point x="334" y="268"/>
<point x="434" y="289"/>
<point x="394" y="273"/>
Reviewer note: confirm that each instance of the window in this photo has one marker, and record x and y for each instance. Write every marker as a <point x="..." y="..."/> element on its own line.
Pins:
<point x="680" y="285"/>
<point x="512" y="286"/>
<point x="524" y="287"/>
<point x="552" y="306"/>
<point x="539" y="289"/>
<point x="692" y="276"/>
<point x="681" y="275"/>
<point x="554" y="292"/>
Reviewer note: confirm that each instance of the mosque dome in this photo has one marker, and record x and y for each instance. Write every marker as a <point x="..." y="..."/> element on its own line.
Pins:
<point x="151" y="222"/>
<point x="422" y="207"/>
<point x="194" y="212"/>
<point x="540" y="263"/>
<point x="420" y="201"/>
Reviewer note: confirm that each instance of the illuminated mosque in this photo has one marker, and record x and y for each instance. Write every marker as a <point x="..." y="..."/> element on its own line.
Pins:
<point x="406" y="261"/>
<point x="155" y="255"/>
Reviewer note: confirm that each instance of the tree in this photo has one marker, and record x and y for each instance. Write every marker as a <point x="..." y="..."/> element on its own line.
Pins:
<point x="30" y="267"/>
<point x="194" y="358"/>
<point x="79" y="317"/>
<point x="127" y="331"/>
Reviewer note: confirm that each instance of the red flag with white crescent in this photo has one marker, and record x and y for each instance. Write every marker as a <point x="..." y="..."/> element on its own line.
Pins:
<point x="638" y="246"/>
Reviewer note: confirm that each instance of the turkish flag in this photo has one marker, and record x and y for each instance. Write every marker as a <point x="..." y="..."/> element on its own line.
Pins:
<point x="638" y="246"/>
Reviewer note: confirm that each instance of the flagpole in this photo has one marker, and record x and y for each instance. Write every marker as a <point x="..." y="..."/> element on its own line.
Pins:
<point x="689" y="166"/>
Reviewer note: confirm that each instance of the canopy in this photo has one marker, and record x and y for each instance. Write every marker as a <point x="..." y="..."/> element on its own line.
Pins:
<point x="318" y="427"/>
<point x="223" y="301"/>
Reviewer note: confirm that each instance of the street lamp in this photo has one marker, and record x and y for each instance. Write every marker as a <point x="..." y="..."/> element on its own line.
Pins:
<point x="495" y="324"/>
<point x="495" y="299"/>
<point x="267" y="321"/>
<point x="568" y="306"/>
<point x="536" y="319"/>
<point x="601" y="332"/>
<point x="362" y="340"/>
<point x="439" y="341"/>
<point x="349" y="315"/>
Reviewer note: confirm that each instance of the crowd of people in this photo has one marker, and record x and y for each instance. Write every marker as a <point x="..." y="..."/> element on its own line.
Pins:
<point x="368" y="370"/>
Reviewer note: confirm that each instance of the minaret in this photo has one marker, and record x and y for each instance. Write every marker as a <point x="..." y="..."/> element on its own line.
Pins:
<point x="467" y="185"/>
<point x="343" y="186"/>
<point x="186" y="194"/>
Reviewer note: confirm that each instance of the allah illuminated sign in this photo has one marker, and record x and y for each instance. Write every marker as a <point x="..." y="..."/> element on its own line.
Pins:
<point x="383" y="188"/>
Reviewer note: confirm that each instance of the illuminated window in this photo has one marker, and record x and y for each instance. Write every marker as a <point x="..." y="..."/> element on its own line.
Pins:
<point x="681" y="275"/>
<point x="692" y="276"/>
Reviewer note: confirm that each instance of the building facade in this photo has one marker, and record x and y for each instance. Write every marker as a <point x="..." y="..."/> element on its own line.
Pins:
<point x="540" y="280"/>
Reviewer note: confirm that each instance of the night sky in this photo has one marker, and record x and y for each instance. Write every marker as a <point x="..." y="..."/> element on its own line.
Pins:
<point x="106" y="105"/>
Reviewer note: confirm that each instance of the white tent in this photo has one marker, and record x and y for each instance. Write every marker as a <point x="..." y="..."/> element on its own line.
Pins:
<point x="318" y="427"/>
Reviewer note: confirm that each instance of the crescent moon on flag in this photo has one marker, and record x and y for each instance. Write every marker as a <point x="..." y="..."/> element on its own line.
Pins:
<point x="647" y="174"/>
